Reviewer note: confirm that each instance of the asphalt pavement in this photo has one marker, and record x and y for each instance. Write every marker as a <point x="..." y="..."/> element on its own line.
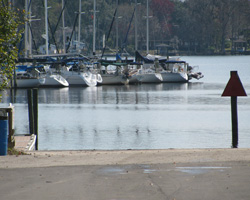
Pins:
<point x="127" y="175"/>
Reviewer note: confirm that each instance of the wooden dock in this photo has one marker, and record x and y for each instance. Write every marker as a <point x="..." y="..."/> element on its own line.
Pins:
<point x="25" y="143"/>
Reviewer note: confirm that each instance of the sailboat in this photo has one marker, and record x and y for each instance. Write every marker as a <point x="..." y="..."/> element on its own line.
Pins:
<point x="28" y="77"/>
<point x="77" y="73"/>
<point x="52" y="79"/>
<point x="162" y="69"/>
<point x="172" y="70"/>
<point x="113" y="72"/>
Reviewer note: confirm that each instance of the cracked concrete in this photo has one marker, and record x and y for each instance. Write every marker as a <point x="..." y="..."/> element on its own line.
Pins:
<point x="190" y="174"/>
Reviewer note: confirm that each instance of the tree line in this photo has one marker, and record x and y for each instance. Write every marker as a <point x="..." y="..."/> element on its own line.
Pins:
<point x="190" y="26"/>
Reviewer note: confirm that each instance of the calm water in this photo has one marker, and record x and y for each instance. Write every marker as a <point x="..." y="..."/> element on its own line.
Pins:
<point x="150" y="116"/>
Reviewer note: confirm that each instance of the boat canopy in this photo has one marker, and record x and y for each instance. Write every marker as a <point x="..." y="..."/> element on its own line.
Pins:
<point x="75" y="59"/>
<point x="150" y="59"/>
<point x="174" y="61"/>
<point x="21" y="68"/>
<point x="113" y="63"/>
<point x="30" y="60"/>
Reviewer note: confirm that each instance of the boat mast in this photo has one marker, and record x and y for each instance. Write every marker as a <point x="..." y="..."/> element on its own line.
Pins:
<point x="30" y="35"/>
<point x="94" y="27"/>
<point x="136" y="42"/>
<point x="46" y="27"/>
<point x="116" y="25"/>
<point x="26" y="34"/>
<point x="79" y="24"/>
<point x="147" y="30"/>
<point x="63" y="28"/>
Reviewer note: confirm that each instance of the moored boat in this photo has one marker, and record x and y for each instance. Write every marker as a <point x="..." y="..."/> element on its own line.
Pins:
<point x="29" y="82"/>
<point x="113" y="73"/>
<point x="55" y="80"/>
<point x="172" y="70"/>
<point x="111" y="79"/>
<point x="52" y="79"/>
<point x="79" y="75"/>
<point x="148" y="76"/>
<point x="27" y="77"/>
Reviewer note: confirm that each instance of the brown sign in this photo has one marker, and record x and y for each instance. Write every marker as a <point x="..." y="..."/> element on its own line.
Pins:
<point x="234" y="86"/>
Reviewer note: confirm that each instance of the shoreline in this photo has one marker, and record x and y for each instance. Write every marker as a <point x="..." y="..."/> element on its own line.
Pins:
<point x="123" y="157"/>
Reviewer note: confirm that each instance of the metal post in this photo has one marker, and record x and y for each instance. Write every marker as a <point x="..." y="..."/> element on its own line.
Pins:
<point x="11" y="139"/>
<point x="234" y="88"/>
<point x="234" y="122"/>
<point x="31" y="112"/>
<point x="35" y="110"/>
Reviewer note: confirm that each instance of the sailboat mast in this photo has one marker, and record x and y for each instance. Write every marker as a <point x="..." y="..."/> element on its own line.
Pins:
<point x="30" y="35"/>
<point x="116" y="25"/>
<point x="46" y="27"/>
<point x="79" y="24"/>
<point x="147" y="29"/>
<point x="94" y="27"/>
<point x="136" y="41"/>
<point x="63" y="28"/>
<point x="26" y="33"/>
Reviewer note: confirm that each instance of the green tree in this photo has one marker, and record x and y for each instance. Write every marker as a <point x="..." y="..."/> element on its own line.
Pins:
<point x="9" y="39"/>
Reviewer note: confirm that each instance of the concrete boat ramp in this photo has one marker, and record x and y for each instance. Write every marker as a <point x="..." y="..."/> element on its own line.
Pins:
<point x="174" y="174"/>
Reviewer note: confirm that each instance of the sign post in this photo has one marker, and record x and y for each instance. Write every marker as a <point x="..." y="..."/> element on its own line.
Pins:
<point x="233" y="89"/>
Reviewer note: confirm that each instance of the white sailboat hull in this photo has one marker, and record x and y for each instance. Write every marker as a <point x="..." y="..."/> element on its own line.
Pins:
<point x="110" y="79"/>
<point x="29" y="82"/>
<point x="79" y="78"/>
<point x="55" y="80"/>
<point x="149" y="78"/>
<point x="172" y="77"/>
<point x="133" y="79"/>
<point x="98" y="78"/>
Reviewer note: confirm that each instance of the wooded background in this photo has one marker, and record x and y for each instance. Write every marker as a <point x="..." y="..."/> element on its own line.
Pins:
<point x="190" y="26"/>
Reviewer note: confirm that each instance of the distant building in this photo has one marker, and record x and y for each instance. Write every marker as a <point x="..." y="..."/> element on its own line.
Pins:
<point x="162" y="49"/>
<point x="239" y="45"/>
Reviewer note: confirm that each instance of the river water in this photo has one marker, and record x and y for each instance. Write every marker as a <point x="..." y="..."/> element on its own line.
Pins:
<point x="148" y="116"/>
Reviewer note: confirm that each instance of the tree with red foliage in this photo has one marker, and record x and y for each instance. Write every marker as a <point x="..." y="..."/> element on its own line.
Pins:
<point x="162" y="9"/>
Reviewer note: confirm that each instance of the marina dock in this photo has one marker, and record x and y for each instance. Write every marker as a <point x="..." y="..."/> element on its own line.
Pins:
<point x="25" y="143"/>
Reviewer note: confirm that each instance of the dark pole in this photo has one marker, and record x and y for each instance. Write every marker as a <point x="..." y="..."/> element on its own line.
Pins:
<point x="35" y="110"/>
<point x="234" y="88"/>
<point x="234" y="122"/>
<point x="31" y="112"/>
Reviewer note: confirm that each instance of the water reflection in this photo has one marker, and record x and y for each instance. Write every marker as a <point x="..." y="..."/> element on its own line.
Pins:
<point x="130" y="94"/>
<point x="190" y="115"/>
